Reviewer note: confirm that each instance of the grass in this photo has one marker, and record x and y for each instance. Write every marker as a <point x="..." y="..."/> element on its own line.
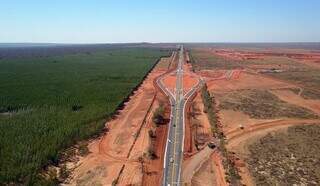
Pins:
<point x="261" y="104"/>
<point x="49" y="103"/>
<point x="287" y="158"/>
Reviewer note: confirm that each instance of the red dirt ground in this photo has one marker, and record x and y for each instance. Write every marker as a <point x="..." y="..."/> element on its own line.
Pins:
<point x="218" y="83"/>
<point x="153" y="168"/>
<point x="123" y="145"/>
<point x="192" y="133"/>
<point x="198" y="129"/>
<point x="170" y="81"/>
<point x="303" y="56"/>
<point x="237" y="55"/>
<point x="246" y="81"/>
<point x="238" y="140"/>
<point x="189" y="81"/>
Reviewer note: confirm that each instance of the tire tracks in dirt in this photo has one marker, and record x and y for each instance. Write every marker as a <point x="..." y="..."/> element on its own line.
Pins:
<point x="237" y="136"/>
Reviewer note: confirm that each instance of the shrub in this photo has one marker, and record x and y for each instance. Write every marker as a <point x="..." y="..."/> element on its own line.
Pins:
<point x="158" y="115"/>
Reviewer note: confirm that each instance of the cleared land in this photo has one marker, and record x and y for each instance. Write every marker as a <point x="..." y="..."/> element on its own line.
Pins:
<point x="49" y="103"/>
<point x="131" y="152"/>
<point x="261" y="90"/>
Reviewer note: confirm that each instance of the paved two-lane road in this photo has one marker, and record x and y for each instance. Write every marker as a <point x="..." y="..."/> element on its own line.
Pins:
<point x="174" y="151"/>
<point x="174" y="147"/>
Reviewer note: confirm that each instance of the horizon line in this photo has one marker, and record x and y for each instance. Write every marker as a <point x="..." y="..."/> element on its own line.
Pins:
<point x="142" y="42"/>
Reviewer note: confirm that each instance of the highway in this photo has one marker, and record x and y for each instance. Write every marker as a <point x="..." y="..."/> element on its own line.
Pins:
<point x="175" y="139"/>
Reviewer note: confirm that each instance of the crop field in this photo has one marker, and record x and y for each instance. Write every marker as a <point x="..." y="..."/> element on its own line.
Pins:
<point x="48" y="103"/>
<point x="284" y="158"/>
<point x="261" y="104"/>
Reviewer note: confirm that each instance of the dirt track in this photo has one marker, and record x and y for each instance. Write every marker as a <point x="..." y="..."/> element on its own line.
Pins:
<point x="123" y="147"/>
<point x="239" y="139"/>
<point x="237" y="135"/>
<point x="220" y="83"/>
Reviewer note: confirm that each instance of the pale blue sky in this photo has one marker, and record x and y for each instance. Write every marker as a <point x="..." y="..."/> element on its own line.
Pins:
<point x="105" y="21"/>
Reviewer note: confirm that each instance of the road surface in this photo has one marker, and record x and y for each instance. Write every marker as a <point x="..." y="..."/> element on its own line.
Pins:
<point x="174" y="147"/>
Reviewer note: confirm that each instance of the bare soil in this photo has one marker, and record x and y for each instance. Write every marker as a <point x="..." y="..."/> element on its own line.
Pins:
<point x="119" y="153"/>
<point x="300" y="73"/>
<point x="246" y="81"/>
<point x="205" y="176"/>
<point x="194" y="163"/>
<point x="200" y="125"/>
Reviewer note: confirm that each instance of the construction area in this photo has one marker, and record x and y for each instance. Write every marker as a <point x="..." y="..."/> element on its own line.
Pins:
<point x="233" y="99"/>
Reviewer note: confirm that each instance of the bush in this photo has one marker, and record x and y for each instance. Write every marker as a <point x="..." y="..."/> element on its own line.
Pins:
<point x="151" y="152"/>
<point x="152" y="133"/>
<point x="158" y="115"/>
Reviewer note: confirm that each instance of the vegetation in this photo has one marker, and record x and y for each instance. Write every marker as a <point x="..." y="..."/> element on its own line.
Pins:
<point x="287" y="158"/>
<point x="303" y="75"/>
<point x="306" y="93"/>
<point x="276" y="61"/>
<point x="262" y="104"/>
<point x="232" y="175"/>
<point x="158" y="115"/>
<point x="308" y="79"/>
<point x="48" y="103"/>
<point x="209" y="103"/>
<point x="206" y="60"/>
<point x="192" y="61"/>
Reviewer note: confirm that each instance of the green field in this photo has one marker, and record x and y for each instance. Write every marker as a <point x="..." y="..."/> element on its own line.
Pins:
<point x="48" y="103"/>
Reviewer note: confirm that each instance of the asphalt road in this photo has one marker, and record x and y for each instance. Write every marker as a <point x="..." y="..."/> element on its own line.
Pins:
<point x="175" y="140"/>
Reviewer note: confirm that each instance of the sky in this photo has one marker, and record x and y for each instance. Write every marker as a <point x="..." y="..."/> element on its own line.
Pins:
<point x="122" y="21"/>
